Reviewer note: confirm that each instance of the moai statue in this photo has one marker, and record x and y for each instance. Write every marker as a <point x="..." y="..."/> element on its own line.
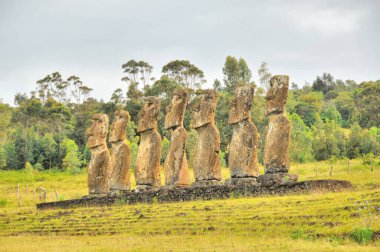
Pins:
<point x="147" y="170"/>
<point x="206" y="161"/>
<point x="243" y="159"/>
<point x="99" y="170"/>
<point x="120" y="153"/>
<point x="276" y="151"/>
<point x="176" y="169"/>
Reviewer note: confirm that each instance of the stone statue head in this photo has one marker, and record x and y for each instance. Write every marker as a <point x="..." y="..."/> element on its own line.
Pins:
<point x="149" y="113"/>
<point x="119" y="124"/>
<point x="175" y="111"/>
<point x="97" y="133"/>
<point x="203" y="109"/>
<point x="241" y="104"/>
<point x="277" y="94"/>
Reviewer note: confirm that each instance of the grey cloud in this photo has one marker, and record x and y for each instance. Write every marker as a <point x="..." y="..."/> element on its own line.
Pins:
<point x="92" y="39"/>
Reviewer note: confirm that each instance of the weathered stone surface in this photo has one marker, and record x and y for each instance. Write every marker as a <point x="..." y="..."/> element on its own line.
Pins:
<point x="241" y="104"/>
<point x="206" y="161"/>
<point x="119" y="125"/>
<point x="203" y="193"/>
<point x="148" y="114"/>
<point x="206" y="183"/>
<point x="277" y="94"/>
<point x="278" y="179"/>
<point x="175" y="111"/>
<point x="242" y="181"/>
<point x="243" y="154"/>
<point x="203" y="110"/>
<point x="120" y="153"/>
<point x="176" y="168"/>
<point x="99" y="170"/>
<point x="243" y="151"/>
<point x="276" y="151"/>
<point x="148" y="169"/>
<point x="97" y="133"/>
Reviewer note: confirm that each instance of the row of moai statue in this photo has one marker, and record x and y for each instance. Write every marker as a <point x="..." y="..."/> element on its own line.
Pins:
<point x="109" y="171"/>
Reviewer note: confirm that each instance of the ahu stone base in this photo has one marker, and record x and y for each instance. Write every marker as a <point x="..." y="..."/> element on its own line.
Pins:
<point x="280" y="178"/>
<point x="201" y="193"/>
<point x="249" y="181"/>
<point x="204" y="183"/>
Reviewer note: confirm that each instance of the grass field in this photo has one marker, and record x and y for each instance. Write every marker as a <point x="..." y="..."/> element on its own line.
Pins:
<point x="314" y="222"/>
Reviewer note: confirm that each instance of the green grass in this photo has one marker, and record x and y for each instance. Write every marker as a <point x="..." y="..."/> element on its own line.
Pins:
<point x="317" y="221"/>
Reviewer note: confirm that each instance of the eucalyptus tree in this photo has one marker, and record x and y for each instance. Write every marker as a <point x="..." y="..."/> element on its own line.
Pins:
<point x="264" y="75"/>
<point x="184" y="73"/>
<point x="235" y="72"/>
<point x="79" y="91"/>
<point x="137" y="72"/>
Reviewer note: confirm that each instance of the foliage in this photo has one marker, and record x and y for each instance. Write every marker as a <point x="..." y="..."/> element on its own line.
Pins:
<point x="264" y="75"/>
<point x="370" y="141"/>
<point x="367" y="100"/>
<point x="362" y="235"/>
<point x="332" y="114"/>
<point x="354" y="140"/>
<point x="328" y="140"/>
<point x="368" y="159"/>
<point x="235" y="72"/>
<point x="222" y="157"/>
<point x="324" y="83"/>
<point x="165" y="148"/>
<point x="184" y="73"/>
<point x="329" y="118"/>
<point x="28" y="168"/>
<point x="260" y="119"/>
<point x="297" y="234"/>
<point x="137" y="71"/>
<point x="3" y="202"/>
<point x="301" y="139"/>
<point x="134" y="148"/>
<point x="72" y="161"/>
<point x="5" y="121"/>
<point x="3" y="158"/>
<point x="225" y="130"/>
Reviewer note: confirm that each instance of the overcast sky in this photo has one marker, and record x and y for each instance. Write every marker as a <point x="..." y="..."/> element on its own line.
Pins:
<point x="92" y="39"/>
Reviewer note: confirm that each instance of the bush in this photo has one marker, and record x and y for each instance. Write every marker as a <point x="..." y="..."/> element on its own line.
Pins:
<point x="72" y="161"/>
<point x="28" y="168"/>
<point x="297" y="234"/>
<point x="368" y="159"/>
<point x="38" y="166"/>
<point x="362" y="235"/>
<point x="3" y="202"/>
<point x="165" y="148"/>
<point x="3" y="159"/>
<point x="222" y="157"/>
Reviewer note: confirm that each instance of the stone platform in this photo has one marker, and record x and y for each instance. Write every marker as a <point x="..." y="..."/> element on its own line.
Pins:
<point x="201" y="193"/>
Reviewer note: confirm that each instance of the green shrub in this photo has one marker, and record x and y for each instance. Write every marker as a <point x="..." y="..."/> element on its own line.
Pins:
<point x="3" y="202"/>
<point x="120" y="202"/>
<point x="362" y="235"/>
<point x="38" y="167"/>
<point x="222" y="157"/>
<point x="297" y="234"/>
<point x="335" y="240"/>
<point x="73" y="160"/>
<point x="28" y="168"/>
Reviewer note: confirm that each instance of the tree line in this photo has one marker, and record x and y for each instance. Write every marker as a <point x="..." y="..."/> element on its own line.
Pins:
<point x="331" y="118"/>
